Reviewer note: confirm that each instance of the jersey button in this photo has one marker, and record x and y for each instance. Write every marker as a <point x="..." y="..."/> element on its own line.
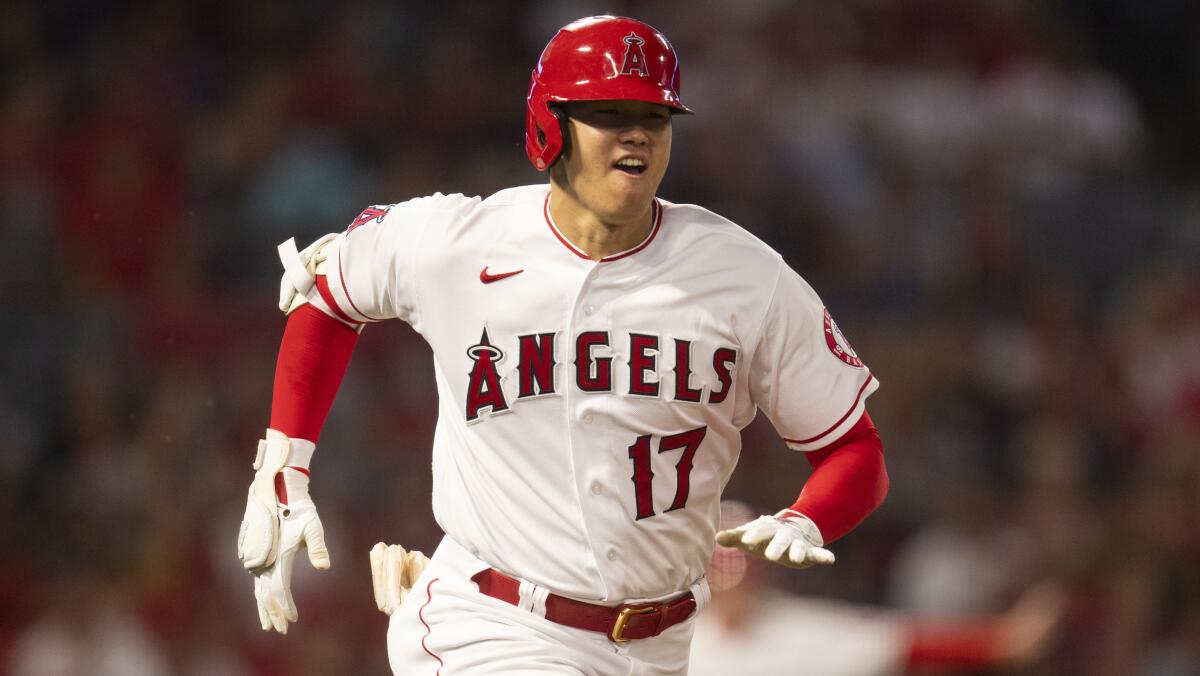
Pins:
<point x="589" y="309"/>
<point x="612" y="555"/>
<point x="594" y="273"/>
<point x="587" y="418"/>
<point x="596" y="488"/>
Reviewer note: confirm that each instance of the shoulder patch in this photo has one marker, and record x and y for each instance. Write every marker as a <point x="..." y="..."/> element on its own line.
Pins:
<point x="838" y="345"/>
<point x="371" y="213"/>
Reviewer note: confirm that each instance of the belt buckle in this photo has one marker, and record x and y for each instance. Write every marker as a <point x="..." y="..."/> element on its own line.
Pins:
<point x="618" y="629"/>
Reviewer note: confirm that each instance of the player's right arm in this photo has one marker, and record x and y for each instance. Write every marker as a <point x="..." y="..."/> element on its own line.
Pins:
<point x="325" y="314"/>
<point x="280" y="516"/>
<point x="329" y="291"/>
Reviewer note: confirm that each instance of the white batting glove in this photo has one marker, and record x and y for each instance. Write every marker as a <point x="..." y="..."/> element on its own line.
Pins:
<point x="788" y="538"/>
<point x="394" y="571"/>
<point x="300" y="270"/>
<point x="273" y="531"/>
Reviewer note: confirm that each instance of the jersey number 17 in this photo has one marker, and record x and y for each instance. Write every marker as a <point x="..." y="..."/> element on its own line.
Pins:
<point x="640" y="453"/>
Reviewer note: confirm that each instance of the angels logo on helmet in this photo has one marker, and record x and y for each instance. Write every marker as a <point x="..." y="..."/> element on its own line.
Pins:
<point x="635" y="60"/>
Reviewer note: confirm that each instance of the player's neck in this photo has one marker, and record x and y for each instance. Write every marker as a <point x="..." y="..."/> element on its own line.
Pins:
<point x="591" y="232"/>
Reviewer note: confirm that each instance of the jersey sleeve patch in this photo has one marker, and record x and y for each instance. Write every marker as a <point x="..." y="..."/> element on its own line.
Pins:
<point x="837" y="343"/>
<point x="376" y="213"/>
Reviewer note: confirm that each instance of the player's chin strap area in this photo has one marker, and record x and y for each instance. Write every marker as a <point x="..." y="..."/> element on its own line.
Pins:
<point x="621" y="623"/>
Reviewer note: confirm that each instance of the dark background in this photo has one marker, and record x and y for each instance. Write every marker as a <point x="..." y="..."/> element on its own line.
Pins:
<point x="999" y="202"/>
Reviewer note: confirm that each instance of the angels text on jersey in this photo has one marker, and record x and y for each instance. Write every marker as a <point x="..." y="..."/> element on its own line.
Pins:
<point x="656" y="366"/>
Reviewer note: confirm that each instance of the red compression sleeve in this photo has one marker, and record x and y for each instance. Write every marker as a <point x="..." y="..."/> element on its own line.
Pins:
<point x="967" y="644"/>
<point x="848" y="481"/>
<point x="313" y="357"/>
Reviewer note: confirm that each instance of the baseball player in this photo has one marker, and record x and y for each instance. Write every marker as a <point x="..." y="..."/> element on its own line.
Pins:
<point x="741" y="630"/>
<point x="597" y="351"/>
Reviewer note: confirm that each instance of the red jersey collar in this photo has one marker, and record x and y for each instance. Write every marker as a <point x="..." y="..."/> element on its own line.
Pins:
<point x="658" y="212"/>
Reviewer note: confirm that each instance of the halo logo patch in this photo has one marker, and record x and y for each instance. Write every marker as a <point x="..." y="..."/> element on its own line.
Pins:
<point x="372" y="213"/>
<point x="484" y="389"/>
<point x="838" y="345"/>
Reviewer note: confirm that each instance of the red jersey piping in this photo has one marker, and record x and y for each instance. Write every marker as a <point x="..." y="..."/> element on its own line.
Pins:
<point x="421" y="617"/>
<point x="327" y="296"/>
<point x="342" y="278"/>
<point x="658" y="214"/>
<point x="840" y="420"/>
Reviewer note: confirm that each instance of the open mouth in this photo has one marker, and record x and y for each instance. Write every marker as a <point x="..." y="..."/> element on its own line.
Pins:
<point x="630" y="165"/>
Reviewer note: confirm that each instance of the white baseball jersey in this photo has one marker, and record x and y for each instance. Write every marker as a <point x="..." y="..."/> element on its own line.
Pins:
<point x="589" y="411"/>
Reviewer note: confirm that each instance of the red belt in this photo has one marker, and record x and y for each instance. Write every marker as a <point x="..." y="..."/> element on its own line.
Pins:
<point x="622" y="623"/>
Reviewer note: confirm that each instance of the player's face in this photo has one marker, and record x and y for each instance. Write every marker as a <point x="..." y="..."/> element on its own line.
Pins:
<point x="617" y="156"/>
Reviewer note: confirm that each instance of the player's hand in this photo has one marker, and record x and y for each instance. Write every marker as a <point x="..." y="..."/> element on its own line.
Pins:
<point x="277" y="525"/>
<point x="788" y="538"/>
<point x="394" y="571"/>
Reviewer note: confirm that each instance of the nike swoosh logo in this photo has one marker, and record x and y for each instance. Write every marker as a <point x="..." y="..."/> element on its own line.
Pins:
<point x="488" y="278"/>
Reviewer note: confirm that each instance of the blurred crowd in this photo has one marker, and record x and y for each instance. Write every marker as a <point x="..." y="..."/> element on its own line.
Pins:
<point x="999" y="200"/>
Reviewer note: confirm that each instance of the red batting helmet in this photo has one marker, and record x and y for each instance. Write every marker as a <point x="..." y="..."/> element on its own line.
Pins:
<point x="600" y="58"/>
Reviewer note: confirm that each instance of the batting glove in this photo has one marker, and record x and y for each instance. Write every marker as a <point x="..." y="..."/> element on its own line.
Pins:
<point x="278" y="522"/>
<point x="394" y="571"/>
<point x="788" y="538"/>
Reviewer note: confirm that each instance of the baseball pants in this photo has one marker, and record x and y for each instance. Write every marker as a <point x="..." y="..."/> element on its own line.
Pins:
<point x="446" y="627"/>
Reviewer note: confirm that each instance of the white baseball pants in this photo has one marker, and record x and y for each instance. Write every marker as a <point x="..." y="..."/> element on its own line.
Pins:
<point x="447" y="628"/>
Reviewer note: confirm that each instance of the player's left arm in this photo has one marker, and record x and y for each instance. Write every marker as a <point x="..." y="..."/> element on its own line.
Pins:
<point x="812" y="385"/>
<point x="849" y="481"/>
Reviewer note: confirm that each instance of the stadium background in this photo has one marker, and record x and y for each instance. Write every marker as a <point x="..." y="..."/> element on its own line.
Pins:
<point x="999" y="201"/>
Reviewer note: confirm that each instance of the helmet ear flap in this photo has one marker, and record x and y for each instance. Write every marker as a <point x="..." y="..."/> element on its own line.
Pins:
<point x="564" y="131"/>
<point x="542" y="145"/>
